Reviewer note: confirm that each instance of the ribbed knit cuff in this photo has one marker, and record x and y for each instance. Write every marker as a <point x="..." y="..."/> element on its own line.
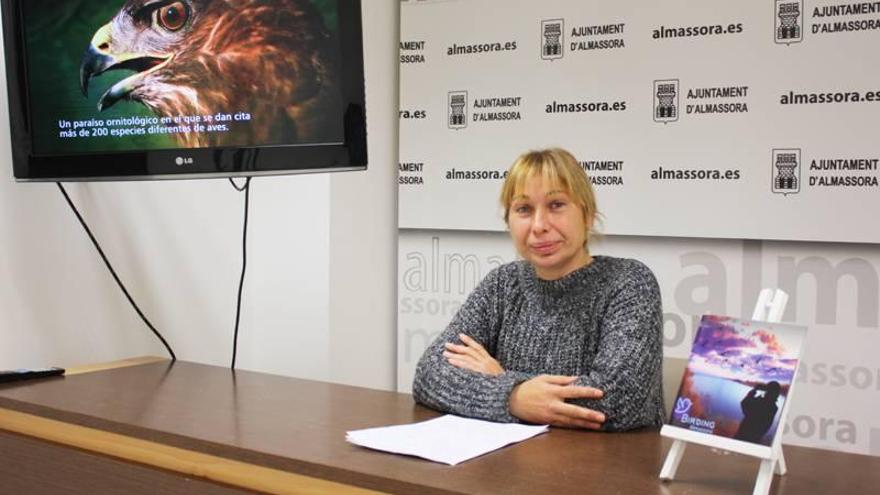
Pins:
<point x="508" y="381"/>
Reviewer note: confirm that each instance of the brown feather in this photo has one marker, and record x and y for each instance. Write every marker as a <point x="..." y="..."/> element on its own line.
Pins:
<point x="272" y="59"/>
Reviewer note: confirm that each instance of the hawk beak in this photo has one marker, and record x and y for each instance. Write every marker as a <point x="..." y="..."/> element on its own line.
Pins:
<point x="118" y="91"/>
<point x="96" y="58"/>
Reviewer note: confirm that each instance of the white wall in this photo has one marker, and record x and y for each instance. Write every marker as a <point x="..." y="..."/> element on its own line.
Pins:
<point x="363" y="224"/>
<point x="176" y="244"/>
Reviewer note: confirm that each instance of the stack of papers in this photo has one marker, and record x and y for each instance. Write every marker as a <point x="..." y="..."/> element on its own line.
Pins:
<point x="447" y="439"/>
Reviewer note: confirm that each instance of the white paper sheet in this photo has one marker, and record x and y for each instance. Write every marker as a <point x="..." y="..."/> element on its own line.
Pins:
<point x="447" y="439"/>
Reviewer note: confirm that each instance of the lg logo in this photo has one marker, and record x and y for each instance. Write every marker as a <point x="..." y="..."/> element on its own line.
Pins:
<point x="180" y="161"/>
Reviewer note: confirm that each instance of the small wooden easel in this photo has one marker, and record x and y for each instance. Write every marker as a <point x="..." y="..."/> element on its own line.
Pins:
<point x="771" y="303"/>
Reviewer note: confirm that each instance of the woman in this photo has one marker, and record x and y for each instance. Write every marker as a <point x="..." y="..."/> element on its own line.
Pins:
<point x="560" y="337"/>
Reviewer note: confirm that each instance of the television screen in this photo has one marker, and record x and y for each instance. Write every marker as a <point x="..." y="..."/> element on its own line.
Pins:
<point x="126" y="89"/>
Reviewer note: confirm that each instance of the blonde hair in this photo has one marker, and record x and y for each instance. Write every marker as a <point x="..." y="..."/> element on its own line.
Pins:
<point x="557" y="168"/>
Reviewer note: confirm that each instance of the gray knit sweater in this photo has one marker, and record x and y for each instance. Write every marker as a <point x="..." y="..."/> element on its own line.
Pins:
<point x="602" y="322"/>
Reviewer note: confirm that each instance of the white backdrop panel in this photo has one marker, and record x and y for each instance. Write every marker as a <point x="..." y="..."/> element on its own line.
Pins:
<point x="732" y="76"/>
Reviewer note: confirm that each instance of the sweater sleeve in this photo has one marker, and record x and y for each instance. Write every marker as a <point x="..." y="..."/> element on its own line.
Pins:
<point x="628" y="363"/>
<point x="442" y="386"/>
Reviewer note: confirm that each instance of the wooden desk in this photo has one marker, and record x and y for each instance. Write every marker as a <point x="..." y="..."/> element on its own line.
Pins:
<point x="190" y="428"/>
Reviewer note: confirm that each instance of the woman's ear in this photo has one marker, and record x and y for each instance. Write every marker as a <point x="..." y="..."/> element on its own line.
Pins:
<point x="589" y="220"/>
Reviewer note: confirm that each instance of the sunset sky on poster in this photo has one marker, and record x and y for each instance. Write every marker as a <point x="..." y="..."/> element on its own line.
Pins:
<point x="745" y="351"/>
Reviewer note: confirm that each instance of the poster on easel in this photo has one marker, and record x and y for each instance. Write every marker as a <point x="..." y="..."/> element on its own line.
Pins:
<point x="738" y="379"/>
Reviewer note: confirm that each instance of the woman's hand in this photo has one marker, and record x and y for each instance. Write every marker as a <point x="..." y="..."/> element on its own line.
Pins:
<point x="472" y="356"/>
<point x="541" y="400"/>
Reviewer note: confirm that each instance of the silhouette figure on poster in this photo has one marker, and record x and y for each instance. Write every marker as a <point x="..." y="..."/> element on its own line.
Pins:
<point x="759" y="409"/>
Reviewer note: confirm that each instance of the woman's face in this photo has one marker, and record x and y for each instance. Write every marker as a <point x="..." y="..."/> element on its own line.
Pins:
<point x="548" y="229"/>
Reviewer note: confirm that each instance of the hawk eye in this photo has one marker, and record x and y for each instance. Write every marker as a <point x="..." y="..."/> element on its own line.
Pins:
<point x="173" y="16"/>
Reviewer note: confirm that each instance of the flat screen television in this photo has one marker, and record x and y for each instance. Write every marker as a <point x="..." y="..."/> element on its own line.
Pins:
<point x="143" y="89"/>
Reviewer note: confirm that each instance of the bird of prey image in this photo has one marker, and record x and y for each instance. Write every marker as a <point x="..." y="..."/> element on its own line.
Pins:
<point x="273" y="59"/>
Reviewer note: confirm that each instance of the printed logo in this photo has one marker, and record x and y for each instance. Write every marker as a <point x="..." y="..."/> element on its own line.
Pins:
<point x="683" y="405"/>
<point x="786" y="169"/>
<point x="458" y="102"/>
<point x="789" y="25"/>
<point x="843" y="172"/>
<point x="716" y="100"/>
<point x="590" y="37"/>
<point x="552" y="39"/>
<point x="410" y="173"/>
<point x="406" y="114"/>
<point x="604" y="172"/>
<point x="666" y="100"/>
<point x="412" y="52"/>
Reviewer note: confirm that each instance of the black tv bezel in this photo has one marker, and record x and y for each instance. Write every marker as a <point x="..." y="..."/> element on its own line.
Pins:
<point x="196" y="162"/>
